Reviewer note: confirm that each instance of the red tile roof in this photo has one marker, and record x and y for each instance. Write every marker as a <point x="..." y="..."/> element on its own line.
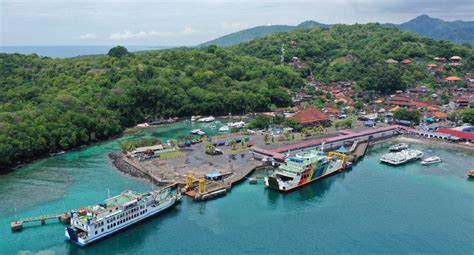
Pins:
<point x="406" y="61"/>
<point x="460" y="134"/>
<point x="440" y="115"/>
<point x="309" y="115"/>
<point x="420" y="104"/>
<point x="453" y="78"/>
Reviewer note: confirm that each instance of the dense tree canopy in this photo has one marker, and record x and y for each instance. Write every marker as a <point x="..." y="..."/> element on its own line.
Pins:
<point x="118" y="52"/>
<point x="407" y="115"/>
<point x="55" y="104"/>
<point x="359" y="53"/>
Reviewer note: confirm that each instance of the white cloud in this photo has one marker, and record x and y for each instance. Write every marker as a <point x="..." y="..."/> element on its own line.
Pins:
<point x="88" y="36"/>
<point x="127" y="34"/>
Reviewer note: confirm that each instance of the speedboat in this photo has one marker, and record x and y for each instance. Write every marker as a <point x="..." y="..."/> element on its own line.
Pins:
<point x="398" y="147"/>
<point x="431" y="160"/>
<point x="224" y="129"/>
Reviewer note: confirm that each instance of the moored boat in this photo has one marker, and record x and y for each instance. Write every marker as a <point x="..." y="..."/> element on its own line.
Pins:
<point x="224" y="129"/>
<point x="207" y="119"/>
<point x="470" y="174"/>
<point x="92" y="223"/>
<point x="401" y="157"/>
<point x="198" y="132"/>
<point x="431" y="160"/>
<point x="306" y="168"/>
<point x="398" y="147"/>
<point x="239" y="124"/>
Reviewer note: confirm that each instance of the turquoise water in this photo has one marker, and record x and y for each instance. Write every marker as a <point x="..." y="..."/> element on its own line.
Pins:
<point x="372" y="209"/>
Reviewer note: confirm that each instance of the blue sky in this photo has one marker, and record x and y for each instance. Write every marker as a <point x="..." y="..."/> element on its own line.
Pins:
<point x="146" y="22"/>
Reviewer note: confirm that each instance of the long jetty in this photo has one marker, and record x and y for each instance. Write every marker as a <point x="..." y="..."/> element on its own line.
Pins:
<point x="62" y="217"/>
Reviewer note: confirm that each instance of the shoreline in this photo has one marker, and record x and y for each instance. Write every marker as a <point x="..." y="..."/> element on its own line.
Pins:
<point x="443" y="144"/>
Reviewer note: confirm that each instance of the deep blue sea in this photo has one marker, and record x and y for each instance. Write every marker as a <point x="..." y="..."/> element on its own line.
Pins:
<point x="372" y="209"/>
<point x="69" y="51"/>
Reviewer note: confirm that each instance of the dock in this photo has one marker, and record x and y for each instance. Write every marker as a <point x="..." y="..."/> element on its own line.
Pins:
<point x="358" y="152"/>
<point x="62" y="217"/>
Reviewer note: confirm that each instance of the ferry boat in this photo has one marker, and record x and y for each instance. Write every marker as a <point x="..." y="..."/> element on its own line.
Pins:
<point x="398" y="147"/>
<point x="207" y="119"/>
<point x="431" y="160"/>
<point x="95" y="222"/>
<point x="306" y="168"/>
<point x="401" y="157"/>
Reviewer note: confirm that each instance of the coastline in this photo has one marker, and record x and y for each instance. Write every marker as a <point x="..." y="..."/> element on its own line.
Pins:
<point x="456" y="146"/>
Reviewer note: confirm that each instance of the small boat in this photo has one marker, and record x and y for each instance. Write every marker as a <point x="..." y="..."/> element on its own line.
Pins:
<point x="57" y="153"/>
<point x="207" y="119"/>
<point x="431" y="160"/>
<point x="470" y="175"/>
<point x="224" y="129"/>
<point x="398" y="147"/>
<point x="239" y="124"/>
<point x="195" y="118"/>
<point x="198" y="132"/>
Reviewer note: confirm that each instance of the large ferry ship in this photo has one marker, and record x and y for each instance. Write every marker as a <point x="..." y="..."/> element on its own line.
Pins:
<point x="306" y="168"/>
<point x="95" y="222"/>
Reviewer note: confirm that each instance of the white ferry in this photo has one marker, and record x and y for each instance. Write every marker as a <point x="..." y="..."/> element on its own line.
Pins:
<point x="401" y="157"/>
<point x="306" y="168"/>
<point x="95" y="222"/>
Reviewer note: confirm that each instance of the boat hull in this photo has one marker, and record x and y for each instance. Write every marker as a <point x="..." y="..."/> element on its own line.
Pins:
<point x="272" y="182"/>
<point x="72" y="236"/>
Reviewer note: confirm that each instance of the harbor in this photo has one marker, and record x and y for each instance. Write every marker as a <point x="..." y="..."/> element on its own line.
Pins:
<point x="240" y="190"/>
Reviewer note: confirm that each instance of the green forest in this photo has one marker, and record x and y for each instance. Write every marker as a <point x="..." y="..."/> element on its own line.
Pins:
<point x="47" y="105"/>
<point x="358" y="53"/>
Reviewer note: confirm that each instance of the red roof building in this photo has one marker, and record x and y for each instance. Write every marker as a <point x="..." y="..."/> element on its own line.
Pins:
<point x="310" y="116"/>
<point x="453" y="78"/>
<point x="468" y="136"/>
<point x="421" y="104"/>
<point x="440" y="115"/>
<point x="406" y="61"/>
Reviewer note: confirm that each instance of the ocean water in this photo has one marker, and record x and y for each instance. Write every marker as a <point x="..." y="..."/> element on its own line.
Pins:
<point x="69" y="51"/>
<point x="373" y="208"/>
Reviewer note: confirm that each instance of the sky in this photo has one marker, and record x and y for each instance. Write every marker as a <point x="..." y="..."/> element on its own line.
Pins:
<point x="190" y="22"/>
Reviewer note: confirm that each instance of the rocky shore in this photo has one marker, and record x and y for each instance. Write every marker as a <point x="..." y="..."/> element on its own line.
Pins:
<point x="125" y="167"/>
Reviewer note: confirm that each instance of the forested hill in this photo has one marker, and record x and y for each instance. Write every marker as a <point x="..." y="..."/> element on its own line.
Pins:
<point x="257" y="32"/>
<point x="358" y="53"/>
<point x="456" y="31"/>
<point x="48" y="105"/>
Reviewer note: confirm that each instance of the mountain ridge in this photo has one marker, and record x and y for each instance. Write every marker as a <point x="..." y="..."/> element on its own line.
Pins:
<point x="457" y="31"/>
